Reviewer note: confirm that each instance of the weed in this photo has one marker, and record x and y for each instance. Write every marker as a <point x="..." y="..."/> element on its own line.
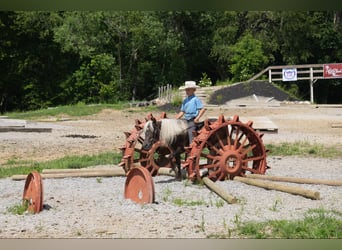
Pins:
<point x="166" y="194"/>
<point x="180" y="202"/>
<point x="19" y="209"/>
<point x="275" y="206"/>
<point x="219" y="203"/>
<point x="98" y="179"/>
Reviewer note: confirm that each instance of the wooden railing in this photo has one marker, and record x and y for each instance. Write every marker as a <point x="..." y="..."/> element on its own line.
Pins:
<point x="311" y="72"/>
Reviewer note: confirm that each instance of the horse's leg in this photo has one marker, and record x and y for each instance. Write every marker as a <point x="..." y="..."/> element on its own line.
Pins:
<point x="178" y="165"/>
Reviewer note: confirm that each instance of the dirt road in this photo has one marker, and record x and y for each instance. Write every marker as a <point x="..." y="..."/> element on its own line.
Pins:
<point x="105" y="131"/>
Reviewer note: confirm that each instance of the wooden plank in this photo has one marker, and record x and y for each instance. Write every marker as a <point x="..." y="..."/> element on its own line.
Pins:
<point x="24" y="129"/>
<point x="336" y="125"/>
<point x="261" y="123"/>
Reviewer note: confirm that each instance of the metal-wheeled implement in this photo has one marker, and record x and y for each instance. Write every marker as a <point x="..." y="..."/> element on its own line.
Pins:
<point x="221" y="149"/>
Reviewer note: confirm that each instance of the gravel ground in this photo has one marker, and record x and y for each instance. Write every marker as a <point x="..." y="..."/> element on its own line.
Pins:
<point x="96" y="208"/>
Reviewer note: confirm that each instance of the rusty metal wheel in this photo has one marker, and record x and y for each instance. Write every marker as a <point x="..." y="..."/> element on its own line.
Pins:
<point x="226" y="149"/>
<point x="33" y="192"/>
<point x="134" y="156"/>
<point x="139" y="186"/>
<point x="132" y="152"/>
<point x="156" y="158"/>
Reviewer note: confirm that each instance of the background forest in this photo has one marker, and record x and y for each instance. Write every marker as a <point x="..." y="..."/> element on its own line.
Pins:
<point x="61" y="57"/>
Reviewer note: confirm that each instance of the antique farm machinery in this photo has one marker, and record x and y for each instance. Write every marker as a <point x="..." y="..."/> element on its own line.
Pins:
<point x="222" y="149"/>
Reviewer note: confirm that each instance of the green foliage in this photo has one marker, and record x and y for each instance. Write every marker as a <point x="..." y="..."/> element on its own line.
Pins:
<point x="247" y="58"/>
<point x="205" y="80"/>
<point x="176" y="99"/>
<point x="53" y="58"/>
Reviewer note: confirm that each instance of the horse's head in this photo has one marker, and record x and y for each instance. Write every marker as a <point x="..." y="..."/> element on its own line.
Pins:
<point x="151" y="132"/>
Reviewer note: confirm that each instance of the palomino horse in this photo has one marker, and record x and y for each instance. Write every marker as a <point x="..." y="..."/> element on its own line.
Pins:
<point x="170" y="132"/>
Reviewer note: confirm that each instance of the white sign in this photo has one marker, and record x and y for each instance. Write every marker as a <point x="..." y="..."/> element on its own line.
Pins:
<point x="289" y="75"/>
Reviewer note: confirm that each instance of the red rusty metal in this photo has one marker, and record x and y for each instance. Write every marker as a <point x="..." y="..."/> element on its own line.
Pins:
<point x="132" y="153"/>
<point x="139" y="186"/>
<point x="156" y="158"/>
<point x="226" y="149"/>
<point x="33" y="192"/>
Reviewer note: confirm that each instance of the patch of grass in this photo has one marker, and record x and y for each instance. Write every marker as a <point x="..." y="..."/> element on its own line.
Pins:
<point x="317" y="224"/>
<point x="303" y="148"/>
<point x="180" y="202"/>
<point x="79" y="109"/>
<point x="166" y="194"/>
<point x="67" y="162"/>
<point x="19" y="208"/>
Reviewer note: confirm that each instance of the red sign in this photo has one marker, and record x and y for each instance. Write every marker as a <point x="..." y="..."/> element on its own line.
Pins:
<point x="332" y="70"/>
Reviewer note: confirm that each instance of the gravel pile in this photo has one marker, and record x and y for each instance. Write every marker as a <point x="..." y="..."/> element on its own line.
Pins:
<point x="96" y="208"/>
<point x="240" y="90"/>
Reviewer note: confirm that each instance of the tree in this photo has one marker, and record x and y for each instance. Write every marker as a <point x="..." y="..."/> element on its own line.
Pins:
<point x="247" y="58"/>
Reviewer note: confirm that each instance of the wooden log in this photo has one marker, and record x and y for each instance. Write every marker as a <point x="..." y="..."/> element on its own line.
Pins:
<point x="24" y="129"/>
<point x="80" y="170"/>
<point x="295" y="179"/>
<point x="112" y="173"/>
<point x="275" y="186"/>
<point x="87" y="172"/>
<point x="219" y="190"/>
<point x="166" y="171"/>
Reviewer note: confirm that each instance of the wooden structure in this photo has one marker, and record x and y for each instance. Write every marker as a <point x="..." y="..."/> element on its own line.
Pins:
<point x="311" y="72"/>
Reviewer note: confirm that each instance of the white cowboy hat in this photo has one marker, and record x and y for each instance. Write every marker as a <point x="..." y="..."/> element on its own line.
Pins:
<point x="189" y="85"/>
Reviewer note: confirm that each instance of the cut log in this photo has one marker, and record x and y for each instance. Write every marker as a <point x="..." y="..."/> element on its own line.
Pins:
<point x="295" y="179"/>
<point x="24" y="129"/>
<point x="88" y="172"/>
<point x="81" y="170"/>
<point x="219" y="190"/>
<point x="275" y="186"/>
<point x="166" y="171"/>
<point x="112" y="173"/>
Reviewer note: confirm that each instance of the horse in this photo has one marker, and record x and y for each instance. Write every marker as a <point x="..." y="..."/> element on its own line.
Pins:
<point x="170" y="132"/>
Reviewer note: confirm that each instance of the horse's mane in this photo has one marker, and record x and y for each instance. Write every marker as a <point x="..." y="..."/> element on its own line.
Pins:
<point x="170" y="129"/>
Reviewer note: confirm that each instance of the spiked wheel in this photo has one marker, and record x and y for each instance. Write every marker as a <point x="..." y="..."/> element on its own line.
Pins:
<point x="156" y="158"/>
<point x="134" y="156"/>
<point x="226" y="149"/>
<point x="33" y="192"/>
<point x="131" y="151"/>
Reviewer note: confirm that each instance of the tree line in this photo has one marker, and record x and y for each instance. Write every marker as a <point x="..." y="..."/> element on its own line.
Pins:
<point x="50" y="58"/>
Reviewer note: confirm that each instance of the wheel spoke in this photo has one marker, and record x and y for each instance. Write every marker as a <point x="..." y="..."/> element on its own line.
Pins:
<point x="243" y="143"/>
<point x="219" y="140"/>
<point x="255" y="158"/>
<point x="248" y="150"/>
<point x="236" y="136"/>
<point x="212" y="147"/>
<point x="214" y="173"/>
<point x="252" y="170"/>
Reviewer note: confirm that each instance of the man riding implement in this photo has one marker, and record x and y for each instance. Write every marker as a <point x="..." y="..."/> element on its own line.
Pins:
<point x="192" y="108"/>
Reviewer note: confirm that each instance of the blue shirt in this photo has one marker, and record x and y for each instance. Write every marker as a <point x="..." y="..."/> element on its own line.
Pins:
<point x="191" y="107"/>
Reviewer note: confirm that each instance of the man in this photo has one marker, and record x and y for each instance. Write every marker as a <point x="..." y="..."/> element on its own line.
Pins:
<point x="192" y="108"/>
